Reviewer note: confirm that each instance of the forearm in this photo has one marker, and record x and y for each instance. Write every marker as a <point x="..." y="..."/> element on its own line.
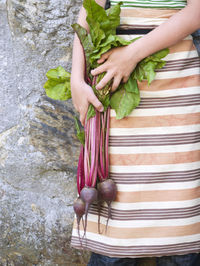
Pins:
<point x="78" y="59"/>
<point x="170" y="32"/>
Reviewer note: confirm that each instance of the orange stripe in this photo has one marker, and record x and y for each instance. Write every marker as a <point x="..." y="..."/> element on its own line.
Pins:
<point x="182" y="46"/>
<point x="143" y="232"/>
<point x="160" y="195"/>
<point x="147" y="13"/>
<point x="155" y="121"/>
<point x="169" y="84"/>
<point x="154" y="158"/>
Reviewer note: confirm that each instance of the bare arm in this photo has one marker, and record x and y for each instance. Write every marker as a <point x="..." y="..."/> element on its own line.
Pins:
<point x="120" y="62"/>
<point x="82" y="93"/>
<point x="173" y="30"/>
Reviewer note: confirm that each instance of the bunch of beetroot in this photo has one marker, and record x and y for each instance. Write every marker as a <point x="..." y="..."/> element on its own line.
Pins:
<point x="93" y="183"/>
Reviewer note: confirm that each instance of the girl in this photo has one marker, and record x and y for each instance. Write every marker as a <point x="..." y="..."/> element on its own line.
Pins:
<point x="156" y="161"/>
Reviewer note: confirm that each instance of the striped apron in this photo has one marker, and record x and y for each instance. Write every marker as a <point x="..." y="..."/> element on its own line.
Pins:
<point x="154" y="159"/>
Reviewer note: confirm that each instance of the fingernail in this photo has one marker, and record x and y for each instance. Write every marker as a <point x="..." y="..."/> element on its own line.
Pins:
<point x="102" y="109"/>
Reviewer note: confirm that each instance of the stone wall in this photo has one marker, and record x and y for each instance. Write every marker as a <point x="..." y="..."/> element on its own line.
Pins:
<point x="38" y="148"/>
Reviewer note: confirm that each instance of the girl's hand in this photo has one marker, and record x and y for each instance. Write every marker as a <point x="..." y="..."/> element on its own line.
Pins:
<point x="118" y="63"/>
<point x="82" y="96"/>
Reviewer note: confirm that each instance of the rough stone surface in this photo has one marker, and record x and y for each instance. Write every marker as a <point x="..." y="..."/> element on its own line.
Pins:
<point x="38" y="148"/>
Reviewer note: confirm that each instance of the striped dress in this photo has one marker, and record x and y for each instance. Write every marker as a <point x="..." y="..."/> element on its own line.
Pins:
<point x="154" y="154"/>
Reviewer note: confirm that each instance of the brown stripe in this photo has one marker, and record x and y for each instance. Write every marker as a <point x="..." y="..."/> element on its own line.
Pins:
<point x="154" y="138"/>
<point x="170" y="84"/>
<point x="129" y="143"/>
<point x="151" y="181"/>
<point x="147" y="214"/>
<point x="158" y="195"/>
<point x="143" y="232"/>
<point x="136" y="251"/>
<point x="185" y="61"/>
<point x="168" y="105"/>
<point x="156" y="121"/>
<point x="170" y="98"/>
<point x="172" y="105"/>
<point x="150" y="178"/>
<point x="178" y="68"/>
<point x="154" y="158"/>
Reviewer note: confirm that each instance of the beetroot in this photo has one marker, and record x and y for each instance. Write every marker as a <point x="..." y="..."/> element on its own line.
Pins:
<point x="107" y="190"/>
<point x="79" y="209"/>
<point x="88" y="195"/>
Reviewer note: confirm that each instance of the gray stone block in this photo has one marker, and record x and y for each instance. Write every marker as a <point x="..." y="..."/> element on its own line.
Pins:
<point x="38" y="147"/>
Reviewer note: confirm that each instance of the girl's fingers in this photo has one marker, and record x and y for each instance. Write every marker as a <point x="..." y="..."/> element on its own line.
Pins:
<point x="108" y="76"/>
<point x="116" y="83"/>
<point x="82" y="118"/>
<point x="97" y="104"/>
<point x="98" y="70"/>
<point x="125" y="79"/>
<point x="103" y="57"/>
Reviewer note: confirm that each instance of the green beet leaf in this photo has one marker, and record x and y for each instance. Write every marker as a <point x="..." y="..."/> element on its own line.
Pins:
<point x="79" y="133"/>
<point x="91" y="111"/>
<point x="111" y="42"/>
<point x="59" y="91"/>
<point x="124" y="102"/>
<point x="57" y="86"/>
<point x="58" y="74"/>
<point x="113" y="14"/>
<point x="131" y="85"/>
<point x="161" y="54"/>
<point x="107" y="20"/>
<point x="149" y="69"/>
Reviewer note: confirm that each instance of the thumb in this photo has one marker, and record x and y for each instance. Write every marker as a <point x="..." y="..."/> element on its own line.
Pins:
<point x="97" y="104"/>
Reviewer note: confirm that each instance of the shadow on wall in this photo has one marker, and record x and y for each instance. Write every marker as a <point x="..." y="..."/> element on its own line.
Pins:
<point x="196" y="39"/>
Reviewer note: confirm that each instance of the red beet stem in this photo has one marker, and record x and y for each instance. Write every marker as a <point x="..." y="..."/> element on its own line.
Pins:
<point x="80" y="171"/>
<point x="107" y="143"/>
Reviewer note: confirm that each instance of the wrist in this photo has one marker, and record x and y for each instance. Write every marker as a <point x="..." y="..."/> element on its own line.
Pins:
<point x="77" y="81"/>
<point x="137" y="50"/>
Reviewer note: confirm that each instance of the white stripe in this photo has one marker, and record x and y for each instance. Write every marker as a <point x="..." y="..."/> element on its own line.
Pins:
<point x="153" y="169"/>
<point x="155" y="149"/>
<point x="154" y="130"/>
<point x="182" y="55"/>
<point x="139" y="241"/>
<point x="145" y="223"/>
<point x="170" y="93"/>
<point x="154" y="205"/>
<point x="158" y="186"/>
<point x="162" y="111"/>
<point x="178" y="74"/>
<point x="142" y="21"/>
